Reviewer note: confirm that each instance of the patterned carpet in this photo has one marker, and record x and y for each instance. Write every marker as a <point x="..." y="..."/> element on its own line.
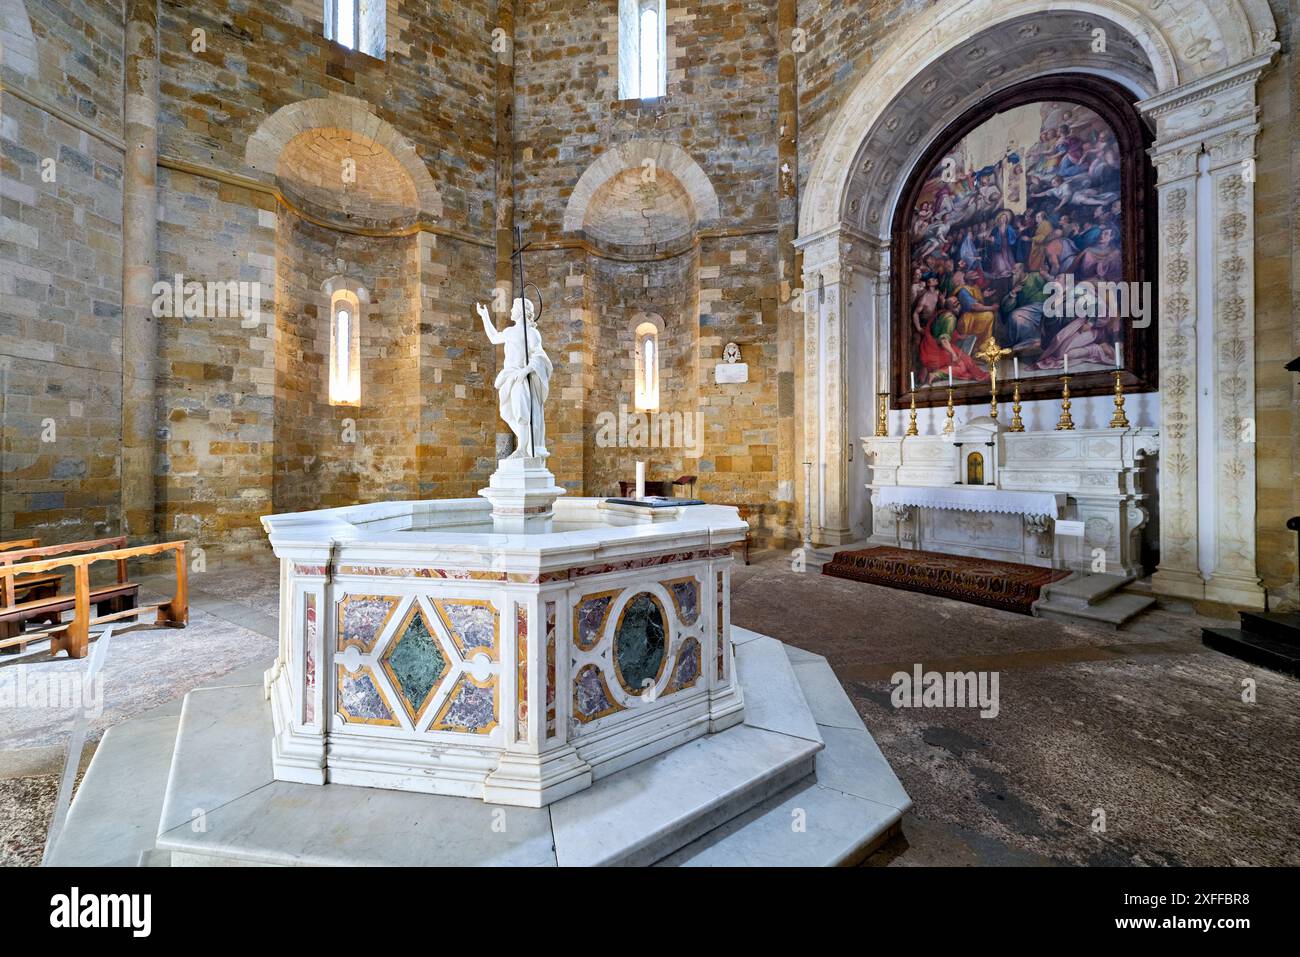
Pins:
<point x="979" y="581"/>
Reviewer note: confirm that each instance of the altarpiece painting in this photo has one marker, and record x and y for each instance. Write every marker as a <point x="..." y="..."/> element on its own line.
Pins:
<point x="1025" y="224"/>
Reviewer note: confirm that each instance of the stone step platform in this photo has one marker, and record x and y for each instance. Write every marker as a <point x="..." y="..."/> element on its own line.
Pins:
<point x="114" y="815"/>
<point x="1254" y="648"/>
<point x="1279" y="626"/>
<point x="722" y="799"/>
<point x="1095" y="599"/>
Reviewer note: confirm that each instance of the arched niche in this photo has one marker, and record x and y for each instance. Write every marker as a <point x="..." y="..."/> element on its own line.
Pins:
<point x="1194" y="67"/>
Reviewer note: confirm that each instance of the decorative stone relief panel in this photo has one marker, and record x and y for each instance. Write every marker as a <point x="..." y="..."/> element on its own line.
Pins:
<point x="310" y="630"/>
<point x="360" y="700"/>
<point x="361" y="619"/>
<point x="415" y="663"/>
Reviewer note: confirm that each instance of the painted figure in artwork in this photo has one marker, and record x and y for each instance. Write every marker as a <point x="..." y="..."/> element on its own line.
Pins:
<point x="1028" y="198"/>
<point x="524" y="380"/>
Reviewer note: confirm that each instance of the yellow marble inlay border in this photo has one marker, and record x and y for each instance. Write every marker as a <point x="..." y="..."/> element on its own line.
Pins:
<point x="614" y="706"/>
<point x="440" y="719"/>
<point x="671" y="687"/>
<point x="394" y="602"/>
<point x="699" y="594"/>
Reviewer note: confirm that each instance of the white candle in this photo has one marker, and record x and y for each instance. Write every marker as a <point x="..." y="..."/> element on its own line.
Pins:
<point x="949" y="375"/>
<point x="913" y="381"/>
<point x="640" y="480"/>
<point x="1067" y="363"/>
<point x="1015" y="367"/>
<point x="1119" y="355"/>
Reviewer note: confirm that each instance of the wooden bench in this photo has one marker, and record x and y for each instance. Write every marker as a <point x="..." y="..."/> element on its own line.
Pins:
<point x="31" y="587"/>
<point x="112" y="602"/>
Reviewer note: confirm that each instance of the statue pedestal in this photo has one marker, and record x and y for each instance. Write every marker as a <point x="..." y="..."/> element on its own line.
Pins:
<point x="523" y="493"/>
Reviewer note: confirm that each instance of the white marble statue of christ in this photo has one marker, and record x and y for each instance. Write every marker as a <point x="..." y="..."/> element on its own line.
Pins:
<point x="524" y="381"/>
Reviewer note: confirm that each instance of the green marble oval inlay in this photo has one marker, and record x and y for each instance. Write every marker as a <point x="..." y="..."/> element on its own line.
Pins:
<point x="639" y="644"/>
<point x="416" y="662"/>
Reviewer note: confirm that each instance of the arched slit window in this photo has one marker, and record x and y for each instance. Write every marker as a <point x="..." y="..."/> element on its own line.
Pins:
<point x="647" y="367"/>
<point x="642" y="50"/>
<point x="345" y="342"/>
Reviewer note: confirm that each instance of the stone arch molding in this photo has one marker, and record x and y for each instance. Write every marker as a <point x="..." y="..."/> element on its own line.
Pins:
<point x="263" y="149"/>
<point x="667" y="157"/>
<point x="19" y="46"/>
<point x="1184" y="41"/>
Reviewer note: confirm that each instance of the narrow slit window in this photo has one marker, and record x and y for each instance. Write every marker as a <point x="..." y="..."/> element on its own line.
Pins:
<point x="344" y="336"/>
<point x="649" y="51"/>
<point x="344" y="355"/>
<point x="642" y="50"/>
<point x="646" y="396"/>
<point x="347" y="23"/>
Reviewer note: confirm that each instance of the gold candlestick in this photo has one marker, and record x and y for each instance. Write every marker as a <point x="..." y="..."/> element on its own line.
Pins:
<point x="1017" y="424"/>
<point x="951" y="425"/>
<point x="1119" y="420"/>
<point x="911" y="426"/>
<point x="1065" y="424"/>
<point x="882" y="413"/>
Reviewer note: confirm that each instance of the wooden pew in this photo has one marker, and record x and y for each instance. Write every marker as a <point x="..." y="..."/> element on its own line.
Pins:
<point x="47" y="586"/>
<point x="31" y="588"/>
<point x="73" y="636"/>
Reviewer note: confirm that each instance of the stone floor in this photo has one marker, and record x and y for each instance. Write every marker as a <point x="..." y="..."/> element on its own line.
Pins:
<point x="1145" y="724"/>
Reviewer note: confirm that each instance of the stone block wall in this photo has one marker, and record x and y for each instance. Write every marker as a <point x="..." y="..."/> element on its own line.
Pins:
<point x="620" y="294"/>
<point x="60" y="269"/>
<point x="216" y="371"/>
<point x="326" y="454"/>
<point x="457" y="415"/>
<point x="721" y="109"/>
<point x="1277" y="314"/>
<point x="419" y="332"/>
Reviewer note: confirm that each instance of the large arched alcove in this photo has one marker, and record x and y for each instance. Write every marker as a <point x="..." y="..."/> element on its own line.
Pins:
<point x="302" y="148"/>
<point x="640" y="210"/>
<point x="1192" y="72"/>
<point x="353" y="193"/>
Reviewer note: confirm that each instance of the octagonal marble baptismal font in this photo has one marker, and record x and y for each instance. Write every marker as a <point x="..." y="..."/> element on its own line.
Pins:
<point x="421" y="650"/>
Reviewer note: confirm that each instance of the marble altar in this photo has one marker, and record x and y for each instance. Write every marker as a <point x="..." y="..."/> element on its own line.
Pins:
<point x="1099" y="477"/>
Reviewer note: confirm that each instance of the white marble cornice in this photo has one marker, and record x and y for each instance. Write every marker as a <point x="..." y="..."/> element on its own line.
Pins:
<point x="1215" y="84"/>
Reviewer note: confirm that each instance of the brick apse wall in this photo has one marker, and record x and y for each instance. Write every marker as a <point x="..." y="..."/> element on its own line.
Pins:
<point x="241" y="417"/>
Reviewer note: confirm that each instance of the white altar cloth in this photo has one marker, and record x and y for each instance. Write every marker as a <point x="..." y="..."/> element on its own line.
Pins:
<point x="973" y="499"/>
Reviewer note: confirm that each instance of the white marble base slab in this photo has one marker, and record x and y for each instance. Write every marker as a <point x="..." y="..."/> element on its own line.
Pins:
<point x="114" y="816"/>
<point x="720" y="799"/>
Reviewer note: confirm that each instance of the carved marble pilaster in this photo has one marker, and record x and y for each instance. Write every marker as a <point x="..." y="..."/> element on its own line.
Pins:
<point x="829" y="261"/>
<point x="1178" y="572"/>
<point x="1233" y="579"/>
<point x="1214" y="116"/>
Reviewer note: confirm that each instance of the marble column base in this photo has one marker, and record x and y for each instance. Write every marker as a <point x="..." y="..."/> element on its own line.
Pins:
<point x="523" y="493"/>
